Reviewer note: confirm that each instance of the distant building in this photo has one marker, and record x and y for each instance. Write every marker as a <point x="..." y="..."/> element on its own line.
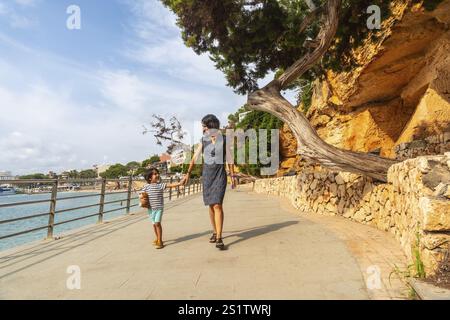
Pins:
<point x="101" y="168"/>
<point x="6" y="175"/>
<point x="161" y="166"/>
<point x="52" y="175"/>
<point x="165" y="157"/>
<point x="165" y="163"/>
<point x="64" y="175"/>
<point x="178" y="158"/>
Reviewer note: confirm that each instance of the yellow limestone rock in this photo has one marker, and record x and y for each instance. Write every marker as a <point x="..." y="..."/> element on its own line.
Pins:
<point x="435" y="214"/>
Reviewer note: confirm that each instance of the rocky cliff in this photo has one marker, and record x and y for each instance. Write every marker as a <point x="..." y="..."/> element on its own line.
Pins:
<point x="400" y="91"/>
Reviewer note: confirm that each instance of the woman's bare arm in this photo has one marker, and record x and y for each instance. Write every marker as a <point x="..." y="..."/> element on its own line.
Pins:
<point x="194" y="159"/>
<point x="230" y="163"/>
<point x="174" y="185"/>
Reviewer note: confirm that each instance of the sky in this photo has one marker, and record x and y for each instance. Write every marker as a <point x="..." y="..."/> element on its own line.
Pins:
<point x="70" y="99"/>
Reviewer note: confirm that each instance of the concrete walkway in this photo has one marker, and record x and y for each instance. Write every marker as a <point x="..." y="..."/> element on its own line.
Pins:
<point x="273" y="253"/>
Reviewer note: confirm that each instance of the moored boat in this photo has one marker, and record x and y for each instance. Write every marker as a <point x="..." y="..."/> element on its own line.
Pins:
<point x="7" y="191"/>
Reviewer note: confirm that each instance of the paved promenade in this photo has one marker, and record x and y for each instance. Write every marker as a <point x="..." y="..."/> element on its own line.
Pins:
<point x="273" y="252"/>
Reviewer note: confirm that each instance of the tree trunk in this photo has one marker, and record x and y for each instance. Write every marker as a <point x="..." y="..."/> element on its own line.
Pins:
<point x="310" y="145"/>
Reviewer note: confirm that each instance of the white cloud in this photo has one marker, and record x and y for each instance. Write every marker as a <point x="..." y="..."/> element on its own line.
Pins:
<point x="151" y="20"/>
<point x="27" y="3"/>
<point x="58" y="114"/>
<point x="124" y="89"/>
<point x="146" y="95"/>
<point x="14" y="13"/>
<point x="43" y="129"/>
<point x="157" y="44"/>
<point x="29" y="150"/>
<point x="174" y="59"/>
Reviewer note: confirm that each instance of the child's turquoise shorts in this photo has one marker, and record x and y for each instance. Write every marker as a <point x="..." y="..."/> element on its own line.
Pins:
<point x="156" y="215"/>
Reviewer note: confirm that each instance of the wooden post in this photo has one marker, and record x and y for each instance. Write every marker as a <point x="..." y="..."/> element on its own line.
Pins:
<point x="170" y="189"/>
<point x="102" y="201"/>
<point x="130" y="181"/>
<point x="51" y="218"/>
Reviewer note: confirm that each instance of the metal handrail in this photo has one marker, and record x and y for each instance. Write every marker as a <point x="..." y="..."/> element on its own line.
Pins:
<point x="22" y="232"/>
<point x="28" y="181"/>
<point x="77" y="208"/>
<point x="24" y="203"/>
<point x="76" y="219"/>
<point x="25" y="218"/>
<point x="120" y="192"/>
<point x="193" y="187"/>
<point x="77" y="197"/>
<point x="112" y="210"/>
<point x="115" y="201"/>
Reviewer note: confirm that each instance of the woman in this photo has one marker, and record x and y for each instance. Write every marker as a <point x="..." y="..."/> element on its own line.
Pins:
<point x="214" y="176"/>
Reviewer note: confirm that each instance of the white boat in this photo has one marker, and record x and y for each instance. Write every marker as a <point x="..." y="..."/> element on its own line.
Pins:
<point x="7" y="191"/>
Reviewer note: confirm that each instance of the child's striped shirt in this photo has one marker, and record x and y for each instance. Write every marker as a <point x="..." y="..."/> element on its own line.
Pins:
<point x="155" y="193"/>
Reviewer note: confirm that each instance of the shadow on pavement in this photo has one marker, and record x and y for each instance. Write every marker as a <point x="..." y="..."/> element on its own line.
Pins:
<point x="186" y="238"/>
<point x="258" y="231"/>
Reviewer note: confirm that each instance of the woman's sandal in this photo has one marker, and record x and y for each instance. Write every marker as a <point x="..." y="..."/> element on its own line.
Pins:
<point x="219" y="244"/>
<point x="213" y="238"/>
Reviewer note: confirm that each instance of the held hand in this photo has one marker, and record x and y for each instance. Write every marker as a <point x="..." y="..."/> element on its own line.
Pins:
<point x="185" y="180"/>
<point x="233" y="182"/>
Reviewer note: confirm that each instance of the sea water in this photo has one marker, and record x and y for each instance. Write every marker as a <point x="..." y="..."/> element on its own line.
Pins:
<point x="39" y="208"/>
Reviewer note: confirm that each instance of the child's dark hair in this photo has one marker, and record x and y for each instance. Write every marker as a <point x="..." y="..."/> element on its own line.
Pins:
<point x="211" y="122"/>
<point x="150" y="173"/>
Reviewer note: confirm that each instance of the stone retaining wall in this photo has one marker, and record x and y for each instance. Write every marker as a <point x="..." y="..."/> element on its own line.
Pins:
<point x="433" y="145"/>
<point x="414" y="204"/>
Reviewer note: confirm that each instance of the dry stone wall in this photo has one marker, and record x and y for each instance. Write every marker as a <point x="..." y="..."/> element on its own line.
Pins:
<point x="437" y="144"/>
<point x="414" y="205"/>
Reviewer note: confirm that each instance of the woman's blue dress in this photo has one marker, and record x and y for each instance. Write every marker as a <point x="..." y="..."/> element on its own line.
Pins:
<point x="214" y="175"/>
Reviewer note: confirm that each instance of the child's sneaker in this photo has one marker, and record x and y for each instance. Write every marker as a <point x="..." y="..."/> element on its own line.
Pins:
<point x="159" y="245"/>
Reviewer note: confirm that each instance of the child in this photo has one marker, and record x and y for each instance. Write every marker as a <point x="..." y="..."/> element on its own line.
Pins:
<point x="155" y="191"/>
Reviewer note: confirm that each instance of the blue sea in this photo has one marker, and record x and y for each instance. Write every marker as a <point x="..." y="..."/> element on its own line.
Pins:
<point x="34" y="209"/>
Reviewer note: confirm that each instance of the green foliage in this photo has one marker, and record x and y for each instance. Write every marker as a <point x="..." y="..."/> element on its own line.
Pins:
<point x="196" y="170"/>
<point x="260" y="120"/>
<point x="254" y="120"/>
<point x="152" y="160"/>
<point x="140" y="171"/>
<point x="73" y="174"/>
<point x="418" y="264"/>
<point x="116" y="171"/>
<point x="305" y="93"/>
<point x="35" y="176"/>
<point x="133" y="165"/>
<point x="247" y="42"/>
<point x="87" y="174"/>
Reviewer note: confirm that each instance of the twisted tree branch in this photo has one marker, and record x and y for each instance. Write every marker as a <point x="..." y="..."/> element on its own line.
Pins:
<point x="310" y="145"/>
